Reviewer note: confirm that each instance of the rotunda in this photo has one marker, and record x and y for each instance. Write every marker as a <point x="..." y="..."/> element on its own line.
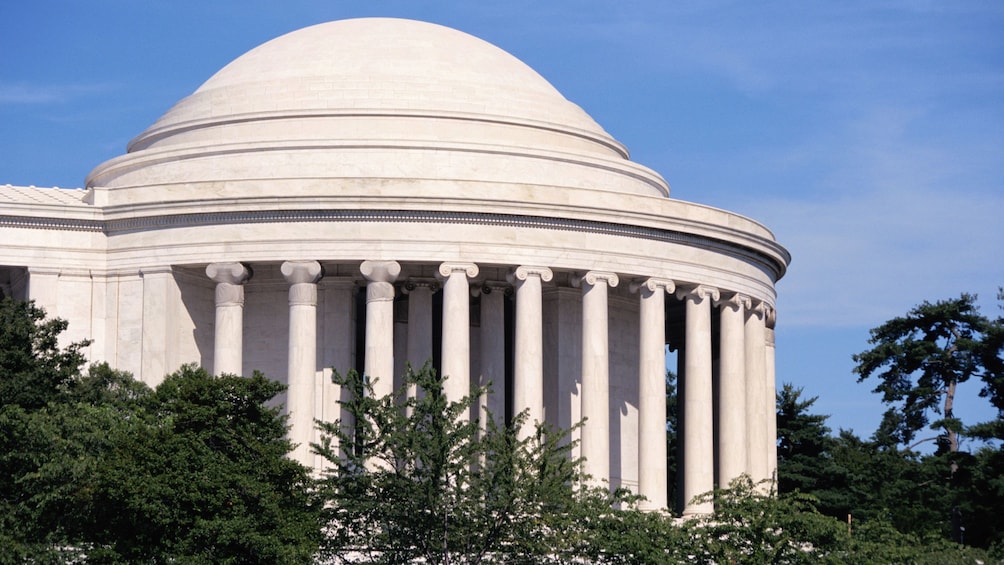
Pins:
<point x="370" y="192"/>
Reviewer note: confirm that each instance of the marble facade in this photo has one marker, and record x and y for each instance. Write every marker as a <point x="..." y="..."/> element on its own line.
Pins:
<point x="367" y="192"/>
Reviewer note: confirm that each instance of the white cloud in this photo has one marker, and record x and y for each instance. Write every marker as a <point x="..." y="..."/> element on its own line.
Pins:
<point x="28" y="93"/>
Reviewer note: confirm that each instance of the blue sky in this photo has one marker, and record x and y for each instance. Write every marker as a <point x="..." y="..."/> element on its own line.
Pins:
<point x="869" y="136"/>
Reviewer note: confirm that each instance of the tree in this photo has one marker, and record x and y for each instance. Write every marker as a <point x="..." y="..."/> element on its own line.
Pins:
<point x="752" y="526"/>
<point x="414" y="480"/>
<point x="812" y="461"/>
<point x="204" y="477"/>
<point x="803" y="442"/>
<point x="97" y="466"/>
<point x="920" y="359"/>
<point x="33" y="368"/>
<point x="992" y="358"/>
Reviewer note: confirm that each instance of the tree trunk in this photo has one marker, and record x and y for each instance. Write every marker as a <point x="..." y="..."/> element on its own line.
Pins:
<point x="953" y="439"/>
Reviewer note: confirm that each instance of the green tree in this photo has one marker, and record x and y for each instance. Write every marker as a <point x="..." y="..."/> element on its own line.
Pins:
<point x="33" y="368"/>
<point x="803" y="442"/>
<point x="753" y="527"/>
<point x="992" y="358"/>
<point x="812" y="461"/>
<point x="415" y="480"/>
<point x="97" y="465"/>
<point x="205" y="478"/>
<point x="920" y="359"/>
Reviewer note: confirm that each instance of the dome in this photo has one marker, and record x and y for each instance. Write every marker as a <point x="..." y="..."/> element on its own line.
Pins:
<point x="378" y="66"/>
<point x="352" y="103"/>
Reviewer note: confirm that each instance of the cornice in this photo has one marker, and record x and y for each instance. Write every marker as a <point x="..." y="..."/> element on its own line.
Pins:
<point x="774" y="264"/>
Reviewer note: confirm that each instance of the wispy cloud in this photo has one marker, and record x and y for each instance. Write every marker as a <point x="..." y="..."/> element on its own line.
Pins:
<point x="28" y="93"/>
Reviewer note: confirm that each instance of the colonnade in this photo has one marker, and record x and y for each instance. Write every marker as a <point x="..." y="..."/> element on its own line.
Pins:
<point x="727" y="407"/>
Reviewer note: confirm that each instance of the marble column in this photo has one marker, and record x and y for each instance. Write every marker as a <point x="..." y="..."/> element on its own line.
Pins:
<point x="652" y="478"/>
<point x="302" y="277"/>
<point x="419" y="340"/>
<point x="228" y="343"/>
<point x="756" y="392"/>
<point x="336" y="340"/>
<point x="456" y="343"/>
<point x="379" y="364"/>
<point x="492" y="352"/>
<point x="595" y="442"/>
<point x="769" y="372"/>
<point x="528" y="372"/>
<point x="732" y="448"/>
<point x="698" y="443"/>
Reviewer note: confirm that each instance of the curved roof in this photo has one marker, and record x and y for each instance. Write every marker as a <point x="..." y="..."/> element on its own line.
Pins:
<point x="346" y="107"/>
<point x="378" y="66"/>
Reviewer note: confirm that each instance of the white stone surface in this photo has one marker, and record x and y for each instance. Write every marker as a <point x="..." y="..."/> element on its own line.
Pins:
<point x="732" y="456"/>
<point x="382" y="149"/>
<point x="652" y="474"/>
<point x="302" y="277"/>
<point x="596" y="372"/>
<point x="698" y="441"/>
<point x="456" y="347"/>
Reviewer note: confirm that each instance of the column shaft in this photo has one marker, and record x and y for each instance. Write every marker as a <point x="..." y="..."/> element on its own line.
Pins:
<point x="528" y="372"/>
<point x="492" y="353"/>
<point x="379" y="350"/>
<point x="732" y="448"/>
<point x="228" y="342"/>
<point x="698" y="473"/>
<point x="419" y="323"/>
<point x="769" y="372"/>
<point x="756" y="393"/>
<point x="336" y="322"/>
<point x="456" y="345"/>
<point x="652" y="472"/>
<point x="595" y="440"/>
<point x="302" y="277"/>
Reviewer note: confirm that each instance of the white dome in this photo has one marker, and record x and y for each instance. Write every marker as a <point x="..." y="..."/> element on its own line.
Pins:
<point x="379" y="65"/>
<point x="369" y="101"/>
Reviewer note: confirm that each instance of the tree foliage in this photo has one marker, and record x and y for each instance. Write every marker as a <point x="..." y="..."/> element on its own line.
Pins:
<point x="804" y="443"/>
<point x="206" y="478"/>
<point x="939" y="496"/>
<point x="33" y="368"/>
<point x="97" y="467"/>
<point x="415" y="479"/>
<point x="920" y="359"/>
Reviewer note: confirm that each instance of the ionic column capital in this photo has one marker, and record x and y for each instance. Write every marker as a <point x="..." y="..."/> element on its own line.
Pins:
<point x="490" y="287"/>
<point x="757" y="309"/>
<point x="229" y="273"/>
<point x="771" y="320"/>
<point x="734" y="301"/>
<point x="593" y="277"/>
<point x="447" y="269"/>
<point x="298" y="272"/>
<point x="229" y="279"/>
<point x="380" y="276"/>
<point x="523" y="272"/>
<point x="653" y="284"/>
<point x="413" y="284"/>
<point x="380" y="271"/>
<point x="697" y="293"/>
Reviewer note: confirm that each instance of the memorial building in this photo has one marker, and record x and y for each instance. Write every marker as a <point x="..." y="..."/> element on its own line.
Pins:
<point x="370" y="192"/>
